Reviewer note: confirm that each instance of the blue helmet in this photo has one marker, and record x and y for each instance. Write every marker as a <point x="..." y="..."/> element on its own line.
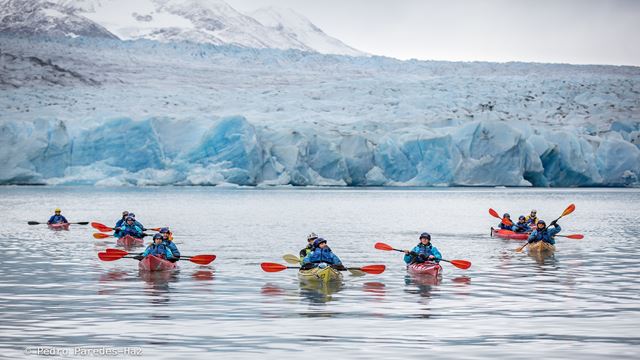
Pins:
<point x="164" y="230"/>
<point x="157" y="236"/>
<point x="132" y="215"/>
<point x="425" y="235"/>
<point x="318" y="241"/>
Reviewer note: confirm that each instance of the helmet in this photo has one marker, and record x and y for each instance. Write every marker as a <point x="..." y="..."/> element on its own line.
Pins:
<point x="125" y="213"/>
<point x="506" y="215"/>
<point x="521" y="217"/>
<point x="130" y="218"/>
<point x="425" y="235"/>
<point x="541" y="222"/>
<point x="164" y="230"/>
<point x="157" y="236"/>
<point x="57" y="210"/>
<point x="319" y="241"/>
<point x="533" y="212"/>
<point x="132" y="215"/>
<point x="312" y="236"/>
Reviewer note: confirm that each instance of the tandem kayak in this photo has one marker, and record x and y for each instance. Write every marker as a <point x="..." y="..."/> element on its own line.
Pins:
<point x="508" y="234"/>
<point x="129" y="241"/>
<point x="541" y="247"/>
<point x="317" y="274"/>
<point x="57" y="227"/>
<point x="425" y="268"/>
<point x="154" y="263"/>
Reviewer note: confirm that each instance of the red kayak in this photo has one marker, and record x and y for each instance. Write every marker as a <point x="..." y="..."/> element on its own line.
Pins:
<point x="425" y="268"/>
<point x="155" y="263"/>
<point x="508" y="234"/>
<point x="129" y="241"/>
<point x="57" y="227"/>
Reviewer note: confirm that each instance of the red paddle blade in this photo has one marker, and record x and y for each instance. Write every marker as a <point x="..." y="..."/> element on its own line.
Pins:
<point x="101" y="236"/>
<point x="569" y="210"/>
<point x="575" y="236"/>
<point x="507" y="222"/>
<point x="155" y="229"/>
<point x="383" y="246"/>
<point x="494" y="214"/>
<point x="373" y="269"/>
<point x="109" y="257"/>
<point x="116" y="251"/>
<point x="461" y="264"/>
<point x="272" y="267"/>
<point x="202" y="259"/>
<point x="101" y="227"/>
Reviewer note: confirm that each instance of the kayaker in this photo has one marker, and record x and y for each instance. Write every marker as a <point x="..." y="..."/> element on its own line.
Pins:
<point x="167" y="240"/>
<point x="521" y="226"/>
<point x="157" y="248"/>
<point x="57" y="218"/>
<point x="423" y="252"/>
<point x="309" y="248"/>
<point x="506" y="218"/>
<point x="138" y="224"/>
<point x="543" y="233"/>
<point x="532" y="219"/>
<point x="120" y="222"/>
<point x="129" y="228"/>
<point x="321" y="254"/>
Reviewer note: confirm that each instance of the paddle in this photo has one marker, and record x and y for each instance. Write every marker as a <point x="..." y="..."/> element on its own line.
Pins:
<point x="574" y="236"/>
<point x="104" y="236"/>
<point x="460" y="264"/>
<point x="369" y="269"/>
<point x="504" y="220"/>
<point x="116" y="254"/>
<point x="104" y="228"/>
<point x="566" y="212"/>
<point x="39" y="223"/>
<point x="292" y="259"/>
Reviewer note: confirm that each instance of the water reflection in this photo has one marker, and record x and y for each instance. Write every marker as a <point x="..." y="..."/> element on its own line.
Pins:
<point x="320" y="292"/>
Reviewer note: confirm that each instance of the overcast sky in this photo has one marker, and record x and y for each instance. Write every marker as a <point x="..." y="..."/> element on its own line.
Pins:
<point x="559" y="31"/>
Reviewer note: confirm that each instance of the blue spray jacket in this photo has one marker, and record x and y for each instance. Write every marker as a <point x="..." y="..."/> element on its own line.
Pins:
<point x="57" y="219"/>
<point x="546" y="235"/>
<point x="322" y="255"/>
<point x="171" y="246"/>
<point x="120" y="222"/>
<point x="132" y="230"/>
<point x="520" y="227"/>
<point x="425" y="251"/>
<point x="158" y="250"/>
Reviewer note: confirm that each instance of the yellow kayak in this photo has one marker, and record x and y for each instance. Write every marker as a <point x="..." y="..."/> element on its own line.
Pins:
<point x="317" y="274"/>
<point x="541" y="246"/>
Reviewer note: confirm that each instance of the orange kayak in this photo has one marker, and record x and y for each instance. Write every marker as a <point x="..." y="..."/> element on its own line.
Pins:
<point x="508" y="234"/>
<point x="425" y="268"/>
<point x="57" y="227"/>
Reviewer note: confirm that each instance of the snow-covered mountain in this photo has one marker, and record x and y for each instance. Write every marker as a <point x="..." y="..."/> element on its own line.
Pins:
<point x="199" y="21"/>
<point x="44" y="17"/>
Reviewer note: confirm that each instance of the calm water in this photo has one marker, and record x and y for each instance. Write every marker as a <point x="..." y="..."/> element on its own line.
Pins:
<point x="583" y="302"/>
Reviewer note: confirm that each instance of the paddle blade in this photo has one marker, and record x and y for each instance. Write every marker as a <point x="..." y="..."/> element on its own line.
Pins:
<point x="101" y="227"/>
<point x="116" y="251"/>
<point x="507" y="222"/>
<point x="521" y="248"/>
<point x="101" y="236"/>
<point x="568" y="210"/>
<point x="291" y="259"/>
<point x="82" y="223"/>
<point x="494" y="214"/>
<point x="272" y="267"/>
<point x="202" y="259"/>
<point x="383" y="246"/>
<point x="154" y="229"/>
<point x="33" y="223"/>
<point x="373" y="269"/>
<point x="461" y="264"/>
<point x="110" y="256"/>
<point x="575" y="236"/>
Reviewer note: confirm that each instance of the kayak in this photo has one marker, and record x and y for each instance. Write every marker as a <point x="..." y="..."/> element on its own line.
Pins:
<point x="425" y="268"/>
<point x="57" y="227"/>
<point x="508" y="234"/>
<point x="129" y="241"/>
<point x="317" y="274"/>
<point x="540" y="247"/>
<point x="155" y="263"/>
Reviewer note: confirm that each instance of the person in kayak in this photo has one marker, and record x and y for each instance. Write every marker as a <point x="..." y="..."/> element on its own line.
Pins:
<point x="125" y="215"/>
<point x="167" y="240"/>
<point x="543" y="233"/>
<point x="138" y="224"/>
<point x="157" y="248"/>
<point x="506" y="218"/>
<point x="521" y="226"/>
<point x="321" y="254"/>
<point x="309" y="248"/>
<point x="57" y="218"/>
<point x="423" y="252"/>
<point x="129" y="228"/>
<point x="532" y="219"/>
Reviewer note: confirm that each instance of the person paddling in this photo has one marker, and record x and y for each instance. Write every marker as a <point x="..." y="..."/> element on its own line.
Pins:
<point x="506" y="218"/>
<point x="57" y="218"/>
<point x="138" y="224"/>
<point x="309" y="248"/>
<point x="543" y="233"/>
<point x="320" y="256"/>
<point x="521" y="226"/>
<point x="532" y="219"/>
<point x="125" y="215"/>
<point x="423" y="252"/>
<point x="157" y="248"/>
<point x="129" y="228"/>
<point x="167" y="240"/>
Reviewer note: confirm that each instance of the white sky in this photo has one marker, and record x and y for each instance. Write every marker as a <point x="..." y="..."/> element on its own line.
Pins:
<point x="558" y="31"/>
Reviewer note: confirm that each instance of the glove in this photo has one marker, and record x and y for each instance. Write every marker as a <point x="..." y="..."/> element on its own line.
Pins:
<point x="553" y="223"/>
<point x="339" y="267"/>
<point x="421" y="257"/>
<point x="138" y="257"/>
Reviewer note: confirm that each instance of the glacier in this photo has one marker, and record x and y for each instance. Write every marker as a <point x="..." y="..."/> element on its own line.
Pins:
<point x="117" y="113"/>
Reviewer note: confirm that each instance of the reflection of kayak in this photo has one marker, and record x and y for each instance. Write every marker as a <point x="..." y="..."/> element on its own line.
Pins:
<point x="317" y="274"/>
<point x="61" y="226"/>
<point x="129" y="241"/>
<point x="154" y="263"/>
<point x="508" y="234"/>
<point x="425" y="268"/>
<point x="541" y="247"/>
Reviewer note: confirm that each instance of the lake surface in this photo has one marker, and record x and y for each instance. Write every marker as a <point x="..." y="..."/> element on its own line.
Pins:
<point x="582" y="302"/>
